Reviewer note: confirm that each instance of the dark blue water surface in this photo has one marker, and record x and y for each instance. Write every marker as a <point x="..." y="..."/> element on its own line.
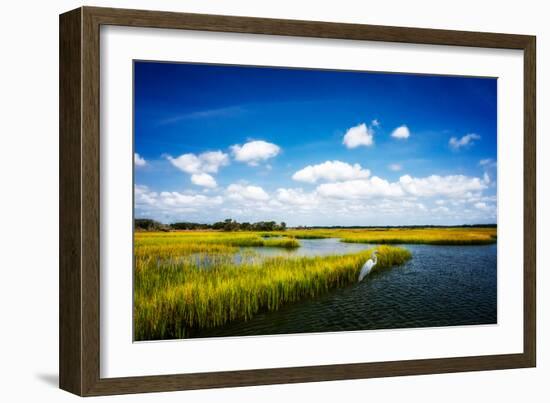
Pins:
<point x="439" y="286"/>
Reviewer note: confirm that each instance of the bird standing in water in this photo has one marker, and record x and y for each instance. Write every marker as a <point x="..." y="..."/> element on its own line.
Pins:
<point x="367" y="267"/>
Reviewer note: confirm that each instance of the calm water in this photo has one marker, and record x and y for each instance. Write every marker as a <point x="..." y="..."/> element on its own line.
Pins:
<point x="439" y="286"/>
<point x="314" y="247"/>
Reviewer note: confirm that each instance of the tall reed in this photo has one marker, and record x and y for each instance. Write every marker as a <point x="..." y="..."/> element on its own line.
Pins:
<point x="177" y="295"/>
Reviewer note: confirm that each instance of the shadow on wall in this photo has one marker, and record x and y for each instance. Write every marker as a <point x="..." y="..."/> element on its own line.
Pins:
<point x="50" y="379"/>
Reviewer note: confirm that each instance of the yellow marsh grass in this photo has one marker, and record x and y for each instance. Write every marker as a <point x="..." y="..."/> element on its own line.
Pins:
<point x="189" y="279"/>
<point x="240" y="238"/>
<point x="173" y="295"/>
<point x="434" y="236"/>
<point x="184" y="243"/>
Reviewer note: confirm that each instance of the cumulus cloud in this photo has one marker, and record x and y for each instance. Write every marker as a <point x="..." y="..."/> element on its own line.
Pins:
<point x="465" y="141"/>
<point x="452" y="185"/>
<point x="297" y="197"/>
<point x="213" y="160"/>
<point x="357" y="136"/>
<point x="139" y="161"/>
<point x="189" y="200"/>
<point x="188" y="163"/>
<point x="203" y="179"/>
<point x="255" y="152"/>
<point x="208" y="162"/>
<point x="395" y="167"/>
<point x="434" y="185"/>
<point x="246" y="192"/>
<point x="331" y="171"/>
<point x="201" y="166"/>
<point x="144" y="197"/>
<point x="348" y="197"/>
<point x="360" y="188"/>
<point x="401" y="132"/>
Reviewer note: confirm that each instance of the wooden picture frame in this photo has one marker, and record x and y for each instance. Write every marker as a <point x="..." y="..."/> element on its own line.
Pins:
<point x="79" y="347"/>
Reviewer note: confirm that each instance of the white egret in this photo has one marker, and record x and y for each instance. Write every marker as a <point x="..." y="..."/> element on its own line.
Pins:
<point x="367" y="267"/>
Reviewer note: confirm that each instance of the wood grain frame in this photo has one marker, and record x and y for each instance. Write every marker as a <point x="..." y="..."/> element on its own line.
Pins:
<point x="79" y="349"/>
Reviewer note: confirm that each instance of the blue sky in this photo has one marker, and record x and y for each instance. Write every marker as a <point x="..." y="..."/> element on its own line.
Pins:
<point x="313" y="147"/>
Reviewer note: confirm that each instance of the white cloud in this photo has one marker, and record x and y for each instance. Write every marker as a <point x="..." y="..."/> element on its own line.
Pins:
<point x="205" y="180"/>
<point x="402" y="132"/>
<point x="144" y="197"/>
<point x="200" y="166"/>
<point x="332" y="171"/>
<point x="370" y="200"/>
<point x="434" y="185"/>
<point x="188" y="163"/>
<point x="208" y="162"/>
<point x="452" y="185"/>
<point x="297" y="197"/>
<point x="139" y="161"/>
<point x="255" y="151"/>
<point x="464" y="141"/>
<point x="360" y="188"/>
<point x="375" y="123"/>
<point x="395" y="167"/>
<point x="177" y="199"/>
<point x="213" y="160"/>
<point x="357" y="136"/>
<point x="246" y="192"/>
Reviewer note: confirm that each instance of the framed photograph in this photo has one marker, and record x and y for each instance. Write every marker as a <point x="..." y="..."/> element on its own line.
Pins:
<point x="249" y="201"/>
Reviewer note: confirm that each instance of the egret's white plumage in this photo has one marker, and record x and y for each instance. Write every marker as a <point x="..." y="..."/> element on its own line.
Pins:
<point x="367" y="267"/>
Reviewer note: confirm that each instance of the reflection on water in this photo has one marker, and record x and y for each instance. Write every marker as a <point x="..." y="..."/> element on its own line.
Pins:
<point x="439" y="286"/>
<point x="256" y="254"/>
<point x="312" y="247"/>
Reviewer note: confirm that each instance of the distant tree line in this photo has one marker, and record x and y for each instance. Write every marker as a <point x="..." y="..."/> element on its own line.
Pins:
<point x="146" y="224"/>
